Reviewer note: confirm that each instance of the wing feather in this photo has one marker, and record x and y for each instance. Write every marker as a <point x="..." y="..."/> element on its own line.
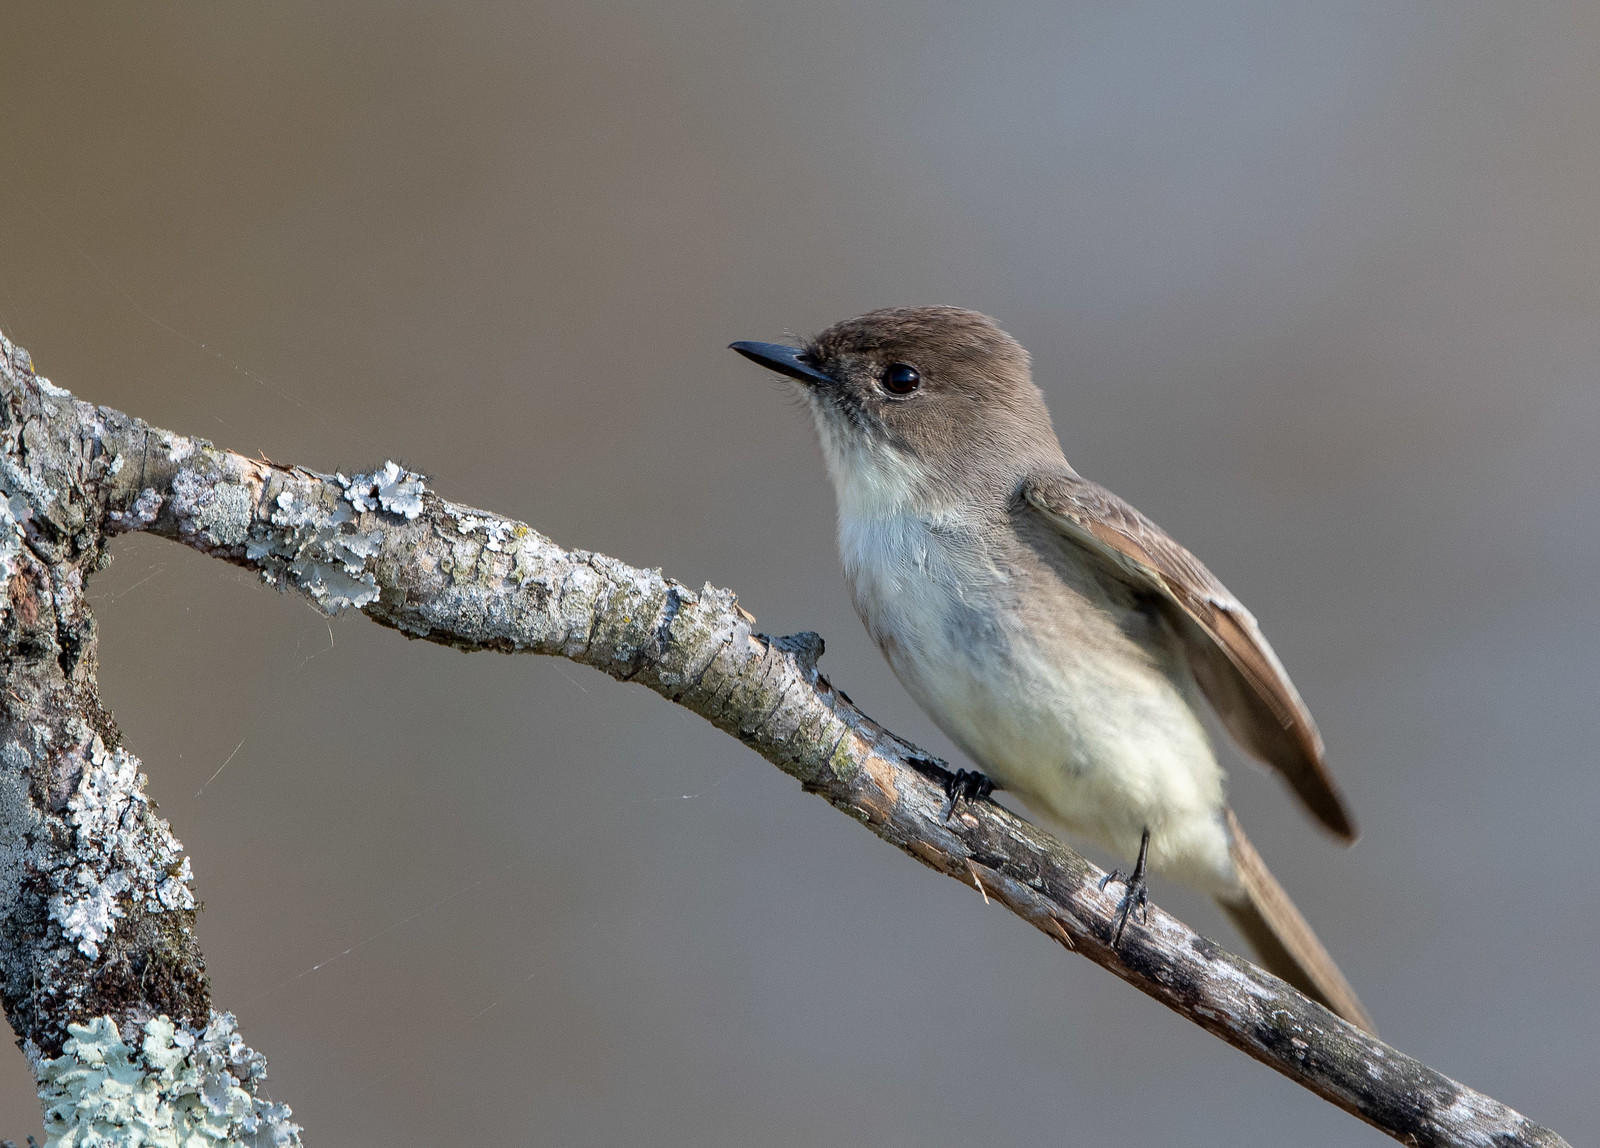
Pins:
<point x="1231" y="659"/>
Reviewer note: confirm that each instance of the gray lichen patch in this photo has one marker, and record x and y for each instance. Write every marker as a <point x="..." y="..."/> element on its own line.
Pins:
<point x="219" y="513"/>
<point x="125" y="852"/>
<point x="96" y="913"/>
<point x="312" y="540"/>
<point x="174" y="1087"/>
<point x="334" y="588"/>
<point x="177" y="447"/>
<point x="496" y="531"/>
<point x="138" y="516"/>
<point x="391" y="487"/>
<point x="226" y="515"/>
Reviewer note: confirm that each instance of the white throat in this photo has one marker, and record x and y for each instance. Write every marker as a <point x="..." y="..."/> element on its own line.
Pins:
<point x="871" y="480"/>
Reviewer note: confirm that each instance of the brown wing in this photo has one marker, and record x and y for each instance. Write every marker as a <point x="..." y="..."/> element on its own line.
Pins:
<point x="1231" y="660"/>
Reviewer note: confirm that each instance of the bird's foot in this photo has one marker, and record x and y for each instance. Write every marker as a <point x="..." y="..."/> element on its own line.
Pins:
<point x="964" y="785"/>
<point x="1136" y="891"/>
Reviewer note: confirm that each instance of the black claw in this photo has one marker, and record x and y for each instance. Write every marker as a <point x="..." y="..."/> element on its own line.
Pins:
<point x="1136" y="895"/>
<point x="964" y="785"/>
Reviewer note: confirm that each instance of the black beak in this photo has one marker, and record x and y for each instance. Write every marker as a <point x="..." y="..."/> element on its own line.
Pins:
<point x="791" y="361"/>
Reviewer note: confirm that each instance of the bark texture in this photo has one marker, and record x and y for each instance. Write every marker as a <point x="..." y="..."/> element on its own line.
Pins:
<point x="387" y="545"/>
<point x="100" y="975"/>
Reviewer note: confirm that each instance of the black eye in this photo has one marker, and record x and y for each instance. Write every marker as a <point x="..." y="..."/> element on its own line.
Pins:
<point x="901" y="379"/>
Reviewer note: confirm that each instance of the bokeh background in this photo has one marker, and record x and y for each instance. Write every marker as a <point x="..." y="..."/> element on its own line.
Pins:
<point x="1316" y="286"/>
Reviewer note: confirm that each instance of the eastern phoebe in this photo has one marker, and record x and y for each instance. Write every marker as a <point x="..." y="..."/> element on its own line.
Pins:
<point x="1058" y="636"/>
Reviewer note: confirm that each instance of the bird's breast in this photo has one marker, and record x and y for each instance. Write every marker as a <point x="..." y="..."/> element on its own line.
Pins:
<point x="1060" y="688"/>
<point x="941" y="600"/>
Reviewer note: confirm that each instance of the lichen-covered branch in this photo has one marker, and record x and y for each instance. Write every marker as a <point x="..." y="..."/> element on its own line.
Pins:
<point x="100" y="975"/>
<point x="385" y="544"/>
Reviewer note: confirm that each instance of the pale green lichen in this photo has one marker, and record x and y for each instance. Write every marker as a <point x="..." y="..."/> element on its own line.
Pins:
<point x="177" y="1089"/>
<point x="317" y="549"/>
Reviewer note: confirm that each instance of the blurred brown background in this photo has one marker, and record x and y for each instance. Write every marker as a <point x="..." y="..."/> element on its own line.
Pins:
<point x="1316" y="286"/>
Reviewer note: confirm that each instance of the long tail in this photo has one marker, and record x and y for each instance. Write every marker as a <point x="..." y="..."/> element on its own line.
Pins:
<point x="1283" y="941"/>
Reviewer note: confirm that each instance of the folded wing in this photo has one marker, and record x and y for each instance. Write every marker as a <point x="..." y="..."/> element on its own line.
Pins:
<point x="1231" y="660"/>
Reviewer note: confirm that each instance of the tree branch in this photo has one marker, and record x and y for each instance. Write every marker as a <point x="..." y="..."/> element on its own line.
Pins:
<point x="100" y="974"/>
<point x="385" y="544"/>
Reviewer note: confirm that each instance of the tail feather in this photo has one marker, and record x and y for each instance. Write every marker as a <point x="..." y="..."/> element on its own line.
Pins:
<point x="1283" y="941"/>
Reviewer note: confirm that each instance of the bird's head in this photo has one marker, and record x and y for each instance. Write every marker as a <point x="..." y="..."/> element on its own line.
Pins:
<point x="919" y="407"/>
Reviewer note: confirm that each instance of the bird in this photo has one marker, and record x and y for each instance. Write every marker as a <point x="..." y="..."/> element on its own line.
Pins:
<point x="1062" y="640"/>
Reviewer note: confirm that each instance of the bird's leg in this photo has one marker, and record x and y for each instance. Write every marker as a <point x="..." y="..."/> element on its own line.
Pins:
<point x="967" y="784"/>
<point x="1136" y="894"/>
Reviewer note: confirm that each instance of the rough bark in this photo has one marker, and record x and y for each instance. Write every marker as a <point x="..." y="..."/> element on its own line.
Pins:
<point x="385" y="544"/>
<point x="100" y="975"/>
